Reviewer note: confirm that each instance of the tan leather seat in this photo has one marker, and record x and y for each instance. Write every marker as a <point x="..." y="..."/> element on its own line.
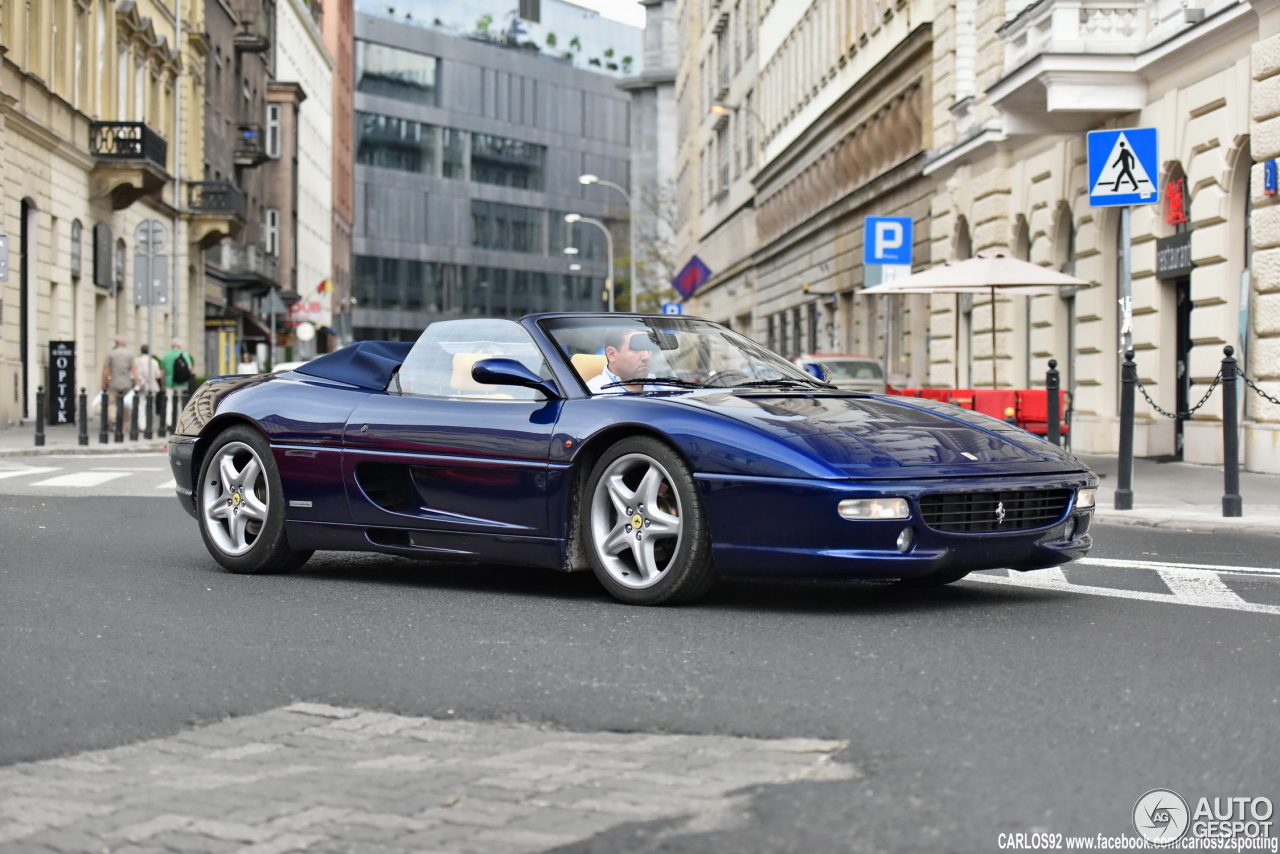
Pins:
<point x="464" y="384"/>
<point x="588" y="365"/>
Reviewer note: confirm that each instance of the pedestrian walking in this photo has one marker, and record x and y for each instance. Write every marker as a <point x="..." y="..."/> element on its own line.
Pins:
<point x="179" y="368"/>
<point x="147" y="378"/>
<point x="248" y="365"/>
<point x="117" y="369"/>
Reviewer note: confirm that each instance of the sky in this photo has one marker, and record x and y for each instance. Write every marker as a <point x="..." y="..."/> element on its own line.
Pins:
<point x="627" y="11"/>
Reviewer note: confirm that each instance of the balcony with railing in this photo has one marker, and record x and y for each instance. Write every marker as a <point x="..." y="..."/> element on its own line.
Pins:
<point x="254" y="33"/>
<point x="243" y="265"/>
<point x="1070" y="63"/>
<point x="217" y="210"/>
<point x="131" y="161"/>
<point x="251" y="147"/>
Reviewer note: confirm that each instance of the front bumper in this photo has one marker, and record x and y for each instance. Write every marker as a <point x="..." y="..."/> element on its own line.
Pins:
<point x="788" y="529"/>
<point x="182" y="464"/>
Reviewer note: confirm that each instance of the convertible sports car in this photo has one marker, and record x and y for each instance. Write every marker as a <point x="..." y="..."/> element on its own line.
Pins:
<point x="660" y="452"/>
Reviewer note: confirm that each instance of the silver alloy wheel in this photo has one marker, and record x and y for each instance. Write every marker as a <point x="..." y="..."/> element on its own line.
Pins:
<point x="233" y="498"/>
<point x="636" y="521"/>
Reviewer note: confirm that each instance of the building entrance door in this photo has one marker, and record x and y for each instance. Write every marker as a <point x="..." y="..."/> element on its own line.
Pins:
<point x="1182" y="289"/>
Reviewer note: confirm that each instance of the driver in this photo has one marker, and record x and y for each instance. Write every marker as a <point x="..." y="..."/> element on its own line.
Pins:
<point x="627" y="353"/>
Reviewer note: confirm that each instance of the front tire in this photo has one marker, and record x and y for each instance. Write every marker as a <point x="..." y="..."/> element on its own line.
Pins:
<point x="241" y="505"/>
<point x="646" y="534"/>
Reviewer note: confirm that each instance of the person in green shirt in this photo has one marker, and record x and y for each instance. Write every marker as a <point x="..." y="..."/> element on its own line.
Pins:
<point x="168" y="362"/>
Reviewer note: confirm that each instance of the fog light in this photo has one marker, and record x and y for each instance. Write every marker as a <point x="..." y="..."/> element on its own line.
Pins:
<point x="906" y="540"/>
<point x="1070" y="529"/>
<point x="1084" y="498"/>
<point x="875" y="508"/>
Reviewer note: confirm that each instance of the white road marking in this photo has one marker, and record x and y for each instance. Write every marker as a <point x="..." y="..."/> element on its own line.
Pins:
<point x="168" y="484"/>
<point x="32" y="470"/>
<point x="1200" y="588"/>
<point x="126" y="470"/>
<point x="1160" y="564"/>
<point x="81" y="479"/>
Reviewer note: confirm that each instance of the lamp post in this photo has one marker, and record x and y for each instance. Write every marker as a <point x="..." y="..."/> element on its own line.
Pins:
<point x="631" y="233"/>
<point x="608" y="242"/>
<point x="718" y="109"/>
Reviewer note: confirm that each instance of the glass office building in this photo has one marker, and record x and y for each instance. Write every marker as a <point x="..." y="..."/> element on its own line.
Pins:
<point x="467" y="160"/>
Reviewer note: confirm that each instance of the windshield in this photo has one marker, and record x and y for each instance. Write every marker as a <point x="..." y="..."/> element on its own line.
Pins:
<point x="851" y="369"/>
<point x="669" y="352"/>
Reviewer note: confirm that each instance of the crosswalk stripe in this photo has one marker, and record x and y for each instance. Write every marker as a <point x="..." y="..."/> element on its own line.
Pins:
<point x="1200" y="588"/>
<point x="81" y="479"/>
<point x="168" y="484"/>
<point x="32" y="470"/>
<point x="1119" y="563"/>
<point x="1199" y="598"/>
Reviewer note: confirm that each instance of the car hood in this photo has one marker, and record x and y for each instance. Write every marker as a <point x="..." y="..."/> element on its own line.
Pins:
<point x="877" y="436"/>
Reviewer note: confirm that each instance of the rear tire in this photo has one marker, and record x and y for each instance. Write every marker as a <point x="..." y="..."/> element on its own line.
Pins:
<point x="643" y="526"/>
<point x="240" y="505"/>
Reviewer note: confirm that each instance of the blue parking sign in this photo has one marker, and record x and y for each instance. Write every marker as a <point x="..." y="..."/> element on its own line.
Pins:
<point x="1124" y="167"/>
<point x="887" y="240"/>
<point x="672" y="308"/>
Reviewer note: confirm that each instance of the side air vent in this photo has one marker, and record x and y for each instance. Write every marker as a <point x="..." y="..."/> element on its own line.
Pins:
<point x="388" y="485"/>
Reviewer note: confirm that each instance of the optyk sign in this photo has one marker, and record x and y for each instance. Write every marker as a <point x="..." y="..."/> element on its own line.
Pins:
<point x="62" y="382"/>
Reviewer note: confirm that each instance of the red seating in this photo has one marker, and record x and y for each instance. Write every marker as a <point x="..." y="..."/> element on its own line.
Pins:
<point x="998" y="403"/>
<point x="1033" y="410"/>
<point x="961" y="397"/>
<point x="942" y="395"/>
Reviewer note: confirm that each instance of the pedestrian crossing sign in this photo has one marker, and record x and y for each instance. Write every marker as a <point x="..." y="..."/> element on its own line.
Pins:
<point x="1124" y="167"/>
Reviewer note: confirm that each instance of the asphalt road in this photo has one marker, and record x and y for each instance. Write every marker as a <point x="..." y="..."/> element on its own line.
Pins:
<point x="970" y="711"/>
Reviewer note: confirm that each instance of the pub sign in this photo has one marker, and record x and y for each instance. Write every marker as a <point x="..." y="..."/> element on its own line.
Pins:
<point x="62" y="382"/>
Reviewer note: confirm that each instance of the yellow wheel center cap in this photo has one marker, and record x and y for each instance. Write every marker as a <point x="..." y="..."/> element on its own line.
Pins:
<point x="235" y="499"/>
<point x="637" y="520"/>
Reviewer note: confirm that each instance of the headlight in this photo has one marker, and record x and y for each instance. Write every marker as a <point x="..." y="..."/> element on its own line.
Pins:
<point x="1084" y="499"/>
<point x="875" y="508"/>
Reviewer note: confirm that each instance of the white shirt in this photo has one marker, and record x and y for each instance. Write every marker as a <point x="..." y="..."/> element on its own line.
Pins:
<point x="596" y="385"/>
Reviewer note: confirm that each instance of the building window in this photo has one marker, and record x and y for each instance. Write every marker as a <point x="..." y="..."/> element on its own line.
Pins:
<point x="454" y="147"/>
<point x="531" y="10"/>
<point x="395" y="143"/>
<point x="139" y="90"/>
<point x="509" y="228"/>
<point x="122" y="84"/>
<point x="506" y="162"/>
<point x="749" y="26"/>
<point x="394" y="73"/>
<point x="273" y="130"/>
<point x="119" y="259"/>
<point x="76" y="240"/>
<point x="722" y="161"/>
<point x="771" y="336"/>
<point x="271" y="232"/>
<point x="749" y="127"/>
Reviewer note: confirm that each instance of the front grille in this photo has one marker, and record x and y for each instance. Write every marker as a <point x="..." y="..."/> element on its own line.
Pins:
<point x="994" y="511"/>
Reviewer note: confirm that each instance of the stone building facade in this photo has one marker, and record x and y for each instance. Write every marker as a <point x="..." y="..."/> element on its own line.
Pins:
<point x="1262" y="426"/>
<point x="94" y="97"/>
<point x="1016" y="89"/>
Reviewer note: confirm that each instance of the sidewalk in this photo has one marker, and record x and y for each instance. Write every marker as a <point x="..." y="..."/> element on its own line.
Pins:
<point x="1185" y="497"/>
<point x="64" y="439"/>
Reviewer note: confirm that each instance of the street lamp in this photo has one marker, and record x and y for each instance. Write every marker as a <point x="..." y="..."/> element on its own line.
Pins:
<point x="719" y="109"/>
<point x="608" y="241"/>
<point x="631" y="230"/>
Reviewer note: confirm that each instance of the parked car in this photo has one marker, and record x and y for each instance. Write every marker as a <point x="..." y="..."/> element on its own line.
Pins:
<point x="860" y="373"/>
<point x="659" y="452"/>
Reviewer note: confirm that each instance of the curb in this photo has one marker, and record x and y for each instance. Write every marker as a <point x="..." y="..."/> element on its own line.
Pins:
<point x="46" y="451"/>
<point x="1198" y="526"/>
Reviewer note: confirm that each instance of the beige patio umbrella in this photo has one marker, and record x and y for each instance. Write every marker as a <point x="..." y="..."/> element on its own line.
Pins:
<point x="983" y="275"/>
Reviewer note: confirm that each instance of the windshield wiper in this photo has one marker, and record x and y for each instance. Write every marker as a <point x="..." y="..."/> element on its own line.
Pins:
<point x="675" y="381"/>
<point x="783" y="381"/>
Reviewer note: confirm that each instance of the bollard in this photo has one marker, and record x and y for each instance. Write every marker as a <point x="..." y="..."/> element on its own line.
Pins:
<point x="148" y="432"/>
<point x="105" y="429"/>
<point x="40" y="416"/>
<point x="84" y="417"/>
<point x="1128" y="387"/>
<point x="1051" y="383"/>
<point x="119" y="416"/>
<point x="133" y="416"/>
<point x="173" y="422"/>
<point x="161" y="410"/>
<point x="1232" y="503"/>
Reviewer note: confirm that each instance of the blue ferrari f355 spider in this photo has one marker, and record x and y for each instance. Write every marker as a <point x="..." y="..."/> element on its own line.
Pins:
<point x="660" y="452"/>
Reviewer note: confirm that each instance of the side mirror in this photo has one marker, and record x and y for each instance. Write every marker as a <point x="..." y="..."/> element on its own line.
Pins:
<point x="818" y="370"/>
<point x="511" y="372"/>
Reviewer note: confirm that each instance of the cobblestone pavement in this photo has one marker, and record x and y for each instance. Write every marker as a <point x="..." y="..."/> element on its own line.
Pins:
<point x="321" y="778"/>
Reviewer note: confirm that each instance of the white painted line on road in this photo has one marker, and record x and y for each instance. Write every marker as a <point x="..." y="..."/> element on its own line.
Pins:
<point x="1018" y="579"/>
<point x="32" y="470"/>
<point x="1200" y="588"/>
<point x="1160" y="564"/>
<point x="168" y="484"/>
<point x="81" y="479"/>
<point x="126" y="470"/>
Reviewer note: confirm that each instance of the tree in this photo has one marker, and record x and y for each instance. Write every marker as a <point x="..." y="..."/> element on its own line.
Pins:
<point x="482" y="25"/>
<point x="626" y="65"/>
<point x="575" y="44"/>
<point x="655" y="248"/>
<point x="608" y="53"/>
<point x="595" y="60"/>
<point x="551" y="39"/>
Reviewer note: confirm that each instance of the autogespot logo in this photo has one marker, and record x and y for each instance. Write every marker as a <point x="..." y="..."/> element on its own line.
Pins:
<point x="1160" y="816"/>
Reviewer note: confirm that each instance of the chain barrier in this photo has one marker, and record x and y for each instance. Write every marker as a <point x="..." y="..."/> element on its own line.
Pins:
<point x="1192" y="410"/>
<point x="1262" y="394"/>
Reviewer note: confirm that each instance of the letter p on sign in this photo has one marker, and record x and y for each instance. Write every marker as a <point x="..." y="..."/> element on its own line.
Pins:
<point x="888" y="240"/>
